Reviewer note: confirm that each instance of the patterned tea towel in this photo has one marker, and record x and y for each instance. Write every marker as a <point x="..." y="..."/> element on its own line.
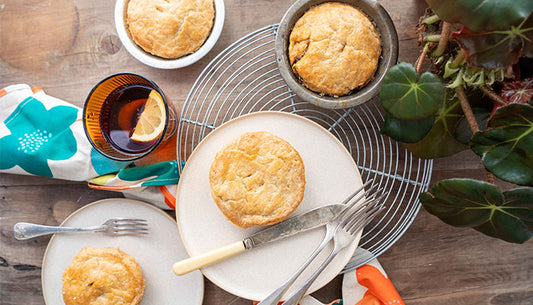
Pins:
<point x="42" y="135"/>
<point x="366" y="285"/>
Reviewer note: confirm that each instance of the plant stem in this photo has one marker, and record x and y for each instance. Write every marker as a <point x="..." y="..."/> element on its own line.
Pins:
<point x="433" y="38"/>
<point x="471" y="119"/>
<point x="467" y="110"/>
<point x="458" y="60"/>
<point x="492" y="95"/>
<point x="420" y="59"/>
<point x="431" y="19"/>
<point x="443" y="41"/>
<point x="490" y="177"/>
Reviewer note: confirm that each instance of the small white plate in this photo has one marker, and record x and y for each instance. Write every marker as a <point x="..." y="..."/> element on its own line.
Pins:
<point x="331" y="175"/>
<point x="155" y="252"/>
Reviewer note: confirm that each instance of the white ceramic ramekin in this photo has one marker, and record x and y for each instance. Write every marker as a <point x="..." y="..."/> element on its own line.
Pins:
<point x="163" y="63"/>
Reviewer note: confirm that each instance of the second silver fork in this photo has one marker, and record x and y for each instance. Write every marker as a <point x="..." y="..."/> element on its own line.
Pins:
<point x="344" y="235"/>
<point x="331" y="229"/>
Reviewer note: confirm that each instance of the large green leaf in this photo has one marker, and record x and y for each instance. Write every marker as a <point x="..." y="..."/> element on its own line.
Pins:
<point x="406" y="131"/>
<point x="496" y="49"/>
<point x="482" y="206"/>
<point x="483" y="15"/>
<point x="440" y="141"/>
<point x="407" y="97"/>
<point x="506" y="148"/>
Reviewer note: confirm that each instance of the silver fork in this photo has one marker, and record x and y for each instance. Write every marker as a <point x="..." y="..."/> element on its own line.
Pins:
<point x="117" y="226"/>
<point x="344" y="235"/>
<point x="331" y="227"/>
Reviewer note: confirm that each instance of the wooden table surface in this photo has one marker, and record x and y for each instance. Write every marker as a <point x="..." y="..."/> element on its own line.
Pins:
<point x="66" y="46"/>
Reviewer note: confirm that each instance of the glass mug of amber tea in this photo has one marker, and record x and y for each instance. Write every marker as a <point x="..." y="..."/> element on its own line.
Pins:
<point x="126" y="116"/>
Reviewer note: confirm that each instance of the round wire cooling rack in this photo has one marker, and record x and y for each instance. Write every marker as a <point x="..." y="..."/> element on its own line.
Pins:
<point x="244" y="78"/>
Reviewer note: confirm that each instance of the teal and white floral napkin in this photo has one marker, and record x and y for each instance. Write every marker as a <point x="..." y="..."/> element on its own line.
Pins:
<point x="43" y="135"/>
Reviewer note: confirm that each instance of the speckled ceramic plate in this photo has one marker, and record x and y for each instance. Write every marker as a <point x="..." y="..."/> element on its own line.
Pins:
<point x="155" y="252"/>
<point x="330" y="173"/>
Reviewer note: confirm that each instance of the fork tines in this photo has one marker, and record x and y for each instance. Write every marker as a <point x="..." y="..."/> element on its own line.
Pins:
<point x="361" y="195"/>
<point x="130" y="226"/>
<point x="359" y="218"/>
<point x="359" y="215"/>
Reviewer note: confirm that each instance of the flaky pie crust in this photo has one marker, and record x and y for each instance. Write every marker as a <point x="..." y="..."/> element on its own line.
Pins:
<point x="103" y="276"/>
<point x="169" y="28"/>
<point x="334" y="49"/>
<point x="257" y="179"/>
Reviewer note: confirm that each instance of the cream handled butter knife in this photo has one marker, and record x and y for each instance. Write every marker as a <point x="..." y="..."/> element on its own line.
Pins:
<point x="286" y="228"/>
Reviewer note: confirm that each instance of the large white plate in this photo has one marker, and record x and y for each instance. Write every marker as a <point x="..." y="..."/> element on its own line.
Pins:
<point x="155" y="252"/>
<point x="330" y="173"/>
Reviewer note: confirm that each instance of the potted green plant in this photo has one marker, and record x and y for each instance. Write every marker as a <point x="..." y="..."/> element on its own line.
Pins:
<point x="471" y="88"/>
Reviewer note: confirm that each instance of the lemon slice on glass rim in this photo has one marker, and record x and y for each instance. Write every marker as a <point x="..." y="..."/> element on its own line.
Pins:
<point x="152" y="119"/>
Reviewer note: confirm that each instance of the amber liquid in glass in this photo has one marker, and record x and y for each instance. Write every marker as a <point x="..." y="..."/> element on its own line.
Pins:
<point x="120" y="113"/>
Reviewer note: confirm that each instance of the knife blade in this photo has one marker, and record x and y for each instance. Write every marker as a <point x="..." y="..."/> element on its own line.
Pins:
<point x="289" y="227"/>
<point x="294" y="225"/>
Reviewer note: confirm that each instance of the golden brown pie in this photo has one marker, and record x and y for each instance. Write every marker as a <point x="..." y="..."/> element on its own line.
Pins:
<point x="169" y="28"/>
<point x="257" y="179"/>
<point x="334" y="49"/>
<point x="103" y="276"/>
